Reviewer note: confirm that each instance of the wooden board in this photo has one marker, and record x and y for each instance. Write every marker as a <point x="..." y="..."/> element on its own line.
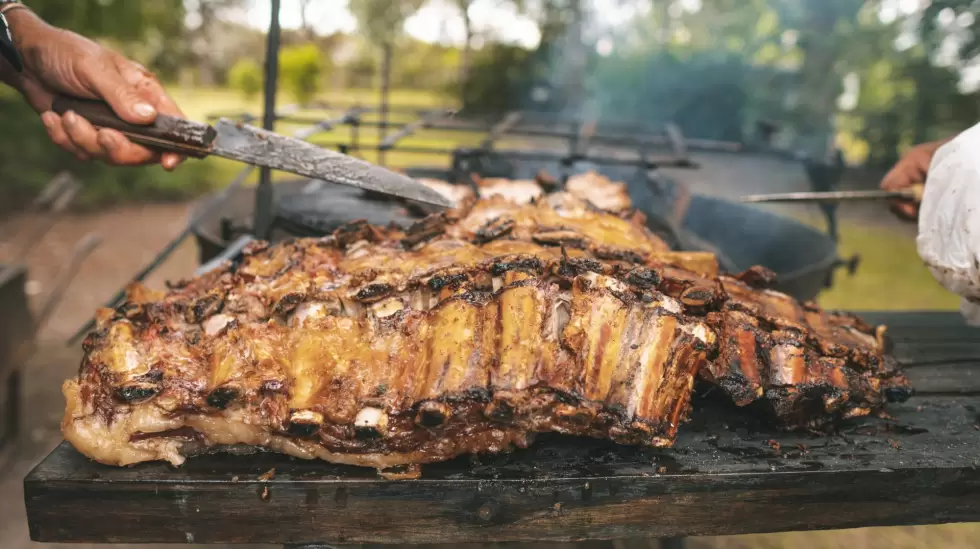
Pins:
<point x="726" y="475"/>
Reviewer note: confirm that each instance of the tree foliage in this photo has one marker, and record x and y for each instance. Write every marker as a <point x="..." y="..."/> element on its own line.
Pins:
<point x="119" y="19"/>
<point x="246" y="77"/>
<point x="301" y="71"/>
<point x="382" y="22"/>
<point x="715" y="67"/>
<point x="500" y="79"/>
<point x="797" y="54"/>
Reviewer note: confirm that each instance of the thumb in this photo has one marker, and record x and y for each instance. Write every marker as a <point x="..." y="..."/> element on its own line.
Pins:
<point x="124" y="96"/>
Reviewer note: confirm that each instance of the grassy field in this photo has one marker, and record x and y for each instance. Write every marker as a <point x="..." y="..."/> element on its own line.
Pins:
<point x="890" y="276"/>
<point x="198" y="104"/>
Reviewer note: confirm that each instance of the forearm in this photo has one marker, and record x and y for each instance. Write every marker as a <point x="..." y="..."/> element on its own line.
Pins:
<point x="27" y="29"/>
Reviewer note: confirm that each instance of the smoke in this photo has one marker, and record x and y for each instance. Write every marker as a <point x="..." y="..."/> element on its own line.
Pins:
<point x="636" y="63"/>
<point x="600" y="61"/>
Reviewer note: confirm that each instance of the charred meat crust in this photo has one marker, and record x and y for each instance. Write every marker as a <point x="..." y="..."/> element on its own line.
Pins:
<point x="380" y="347"/>
<point x="475" y="369"/>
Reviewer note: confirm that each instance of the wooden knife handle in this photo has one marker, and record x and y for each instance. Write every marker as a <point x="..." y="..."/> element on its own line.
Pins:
<point x="165" y="134"/>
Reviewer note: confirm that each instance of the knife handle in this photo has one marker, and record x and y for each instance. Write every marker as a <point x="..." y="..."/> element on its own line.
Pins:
<point x="165" y="134"/>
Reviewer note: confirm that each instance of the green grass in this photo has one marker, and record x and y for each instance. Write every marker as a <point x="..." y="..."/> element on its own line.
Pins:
<point x="197" y="104"/>
<point x="890" y="275"/>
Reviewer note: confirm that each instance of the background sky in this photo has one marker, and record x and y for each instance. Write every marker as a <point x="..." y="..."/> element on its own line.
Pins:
<point x="438" y="21"/>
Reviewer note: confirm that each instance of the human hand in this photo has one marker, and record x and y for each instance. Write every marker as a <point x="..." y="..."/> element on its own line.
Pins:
<point x="60" y="61"/>
<point x="912" y="169"/>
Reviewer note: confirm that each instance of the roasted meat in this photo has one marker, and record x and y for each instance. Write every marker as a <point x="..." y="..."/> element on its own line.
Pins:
<point x="599" y="190"/>
<point x="456" y="193"/>
<point x="374" y="355"/>
<point x="470" y="331"/>
<point x="595" y="188"/>
<point x="803" y="366"/>
<point x="519" y="191"/>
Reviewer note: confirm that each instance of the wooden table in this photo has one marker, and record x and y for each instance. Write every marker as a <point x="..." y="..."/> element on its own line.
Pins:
<point x="725" y="475"/>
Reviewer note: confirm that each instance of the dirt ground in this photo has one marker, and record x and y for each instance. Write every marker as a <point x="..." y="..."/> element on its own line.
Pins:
<point x="132" y="236"/>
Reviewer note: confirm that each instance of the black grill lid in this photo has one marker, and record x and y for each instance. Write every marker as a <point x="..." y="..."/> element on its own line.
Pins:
<point x="320" y="211"/>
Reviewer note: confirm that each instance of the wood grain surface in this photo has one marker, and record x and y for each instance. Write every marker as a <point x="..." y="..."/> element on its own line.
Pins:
<point x="727" y="474"/>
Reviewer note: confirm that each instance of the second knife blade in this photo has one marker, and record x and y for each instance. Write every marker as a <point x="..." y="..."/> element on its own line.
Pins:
<point x="913" y="193"/>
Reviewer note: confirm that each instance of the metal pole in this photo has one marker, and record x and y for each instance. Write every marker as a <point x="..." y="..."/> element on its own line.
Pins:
<point x="263" y="193"/>
<point x="385" y="82"/>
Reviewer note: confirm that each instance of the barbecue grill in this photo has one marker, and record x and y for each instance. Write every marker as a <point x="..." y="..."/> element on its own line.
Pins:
<point x="725" y="477"/>
<point x="803" y="257"/>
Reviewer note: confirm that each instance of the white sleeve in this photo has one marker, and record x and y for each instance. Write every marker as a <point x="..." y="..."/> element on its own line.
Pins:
<point x="949" y="220"/>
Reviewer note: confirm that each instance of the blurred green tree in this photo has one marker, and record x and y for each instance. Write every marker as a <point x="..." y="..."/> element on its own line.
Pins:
<point x="116" y="19"/>
<point x="301" y="70"/>
<point x="382" y="22"/>
<point x="246" y="77"/>
<point x="902" y="66"/>
<point x="463" y="6"/>
<point x="199" y="29"/>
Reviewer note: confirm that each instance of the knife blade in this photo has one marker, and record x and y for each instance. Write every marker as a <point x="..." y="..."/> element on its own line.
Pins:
<point x="251" y="145"/>
<point x="913" y="193"/>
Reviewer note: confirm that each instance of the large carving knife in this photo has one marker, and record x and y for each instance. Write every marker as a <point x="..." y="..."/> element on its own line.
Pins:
<point x="253" y="145"/>
<point x="912" y="194"/>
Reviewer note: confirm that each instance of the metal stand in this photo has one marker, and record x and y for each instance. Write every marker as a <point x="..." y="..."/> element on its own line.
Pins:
<point x="385" y="82"/>
<point x="264" y="194"/>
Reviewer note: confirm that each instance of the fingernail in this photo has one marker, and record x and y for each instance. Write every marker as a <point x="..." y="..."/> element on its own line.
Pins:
<point x="144" y="110"/>
<point x="171" y="161"/>
<point x="69" y="118"/>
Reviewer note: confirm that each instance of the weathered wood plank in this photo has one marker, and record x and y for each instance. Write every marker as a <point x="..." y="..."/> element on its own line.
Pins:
<point x="928" y="354"/>
<point x="725" y="476"/>
<point x="914" y="319"/>
<point x="436" y="512"/>
<point x="929" y="339"/>
<point x="949" y="379"/>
